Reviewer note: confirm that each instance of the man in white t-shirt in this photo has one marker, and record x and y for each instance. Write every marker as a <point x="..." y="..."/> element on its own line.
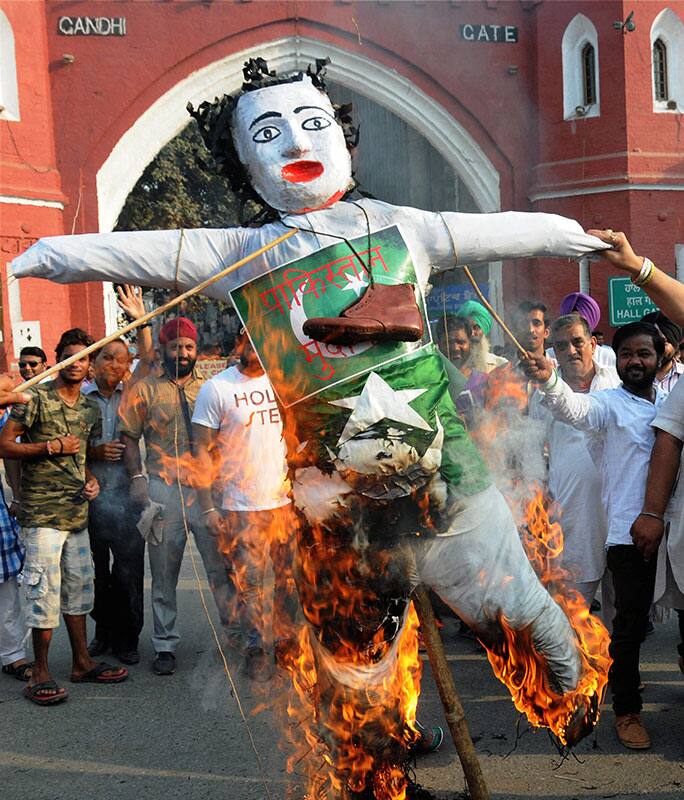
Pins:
<point x="241" y="450"/>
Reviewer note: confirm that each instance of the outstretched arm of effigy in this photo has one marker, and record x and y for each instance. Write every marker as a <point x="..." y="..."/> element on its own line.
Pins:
<point x="516" y="234"/>
<point x="143" y="258"/>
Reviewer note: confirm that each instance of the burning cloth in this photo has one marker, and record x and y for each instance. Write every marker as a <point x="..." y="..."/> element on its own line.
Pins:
<point x="389" y="486"/>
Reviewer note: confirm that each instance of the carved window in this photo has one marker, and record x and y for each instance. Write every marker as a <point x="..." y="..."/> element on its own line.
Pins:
<point x="660" y="70"/>
<point x="589" y="74"/>
<point x="581" y="70"/>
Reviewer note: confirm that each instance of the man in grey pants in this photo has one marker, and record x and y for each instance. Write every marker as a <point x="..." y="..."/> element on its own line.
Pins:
<point x="159" y="408"/>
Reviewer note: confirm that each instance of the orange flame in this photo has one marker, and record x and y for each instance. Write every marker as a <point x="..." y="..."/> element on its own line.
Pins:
<point x="516" y="664"/>
<point x="338" y="722"/>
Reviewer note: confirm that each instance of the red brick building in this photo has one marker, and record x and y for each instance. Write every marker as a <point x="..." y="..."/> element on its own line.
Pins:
<point x="570" y="107"/>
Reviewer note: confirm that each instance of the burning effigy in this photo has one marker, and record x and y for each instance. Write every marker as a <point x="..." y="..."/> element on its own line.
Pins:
<point x="388" y="487"/>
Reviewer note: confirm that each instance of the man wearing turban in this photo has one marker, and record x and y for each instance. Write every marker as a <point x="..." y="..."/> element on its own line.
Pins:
<point x="480" y="321"/>
<point x="159" y="409"/>
<point x="670" y="368"/>
<point x="585" y="305"/>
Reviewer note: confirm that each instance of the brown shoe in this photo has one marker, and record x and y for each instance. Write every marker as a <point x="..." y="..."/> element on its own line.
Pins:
<point x="631" y="732"/>
<point x="383" y="313"/>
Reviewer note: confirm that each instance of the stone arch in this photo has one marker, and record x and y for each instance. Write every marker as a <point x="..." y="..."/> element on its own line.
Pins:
<point x="167" y="116"/>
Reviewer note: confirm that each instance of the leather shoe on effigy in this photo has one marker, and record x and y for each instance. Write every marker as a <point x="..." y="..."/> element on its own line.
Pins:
<point x="383" y="313"/>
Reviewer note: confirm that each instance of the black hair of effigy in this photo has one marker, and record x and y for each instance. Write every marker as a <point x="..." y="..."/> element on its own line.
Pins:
<point x="214" y="121"/>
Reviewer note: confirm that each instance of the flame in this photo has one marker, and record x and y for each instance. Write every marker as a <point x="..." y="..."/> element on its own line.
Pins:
<point x="341" y="727"/>
<point x="517" y="665"/>
<point x="341" y="737"/>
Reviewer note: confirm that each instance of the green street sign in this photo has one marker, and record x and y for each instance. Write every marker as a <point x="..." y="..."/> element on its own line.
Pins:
<point x="627" y="302"/>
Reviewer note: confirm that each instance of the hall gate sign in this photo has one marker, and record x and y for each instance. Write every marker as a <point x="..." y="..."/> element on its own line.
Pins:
<point x="92" y="26"/>
<point x="627" y="302"/>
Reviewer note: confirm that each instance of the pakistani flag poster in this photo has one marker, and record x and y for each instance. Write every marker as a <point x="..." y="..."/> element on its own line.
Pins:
<point x="275" y="306"/>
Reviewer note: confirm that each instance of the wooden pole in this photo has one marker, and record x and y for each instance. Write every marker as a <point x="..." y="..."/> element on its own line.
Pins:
<point x="489" y="308"/>
<point x="453" y="710"/>
<point x="151" y="314"/>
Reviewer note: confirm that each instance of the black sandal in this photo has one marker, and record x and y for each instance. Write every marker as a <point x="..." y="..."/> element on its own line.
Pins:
<point x="22" y="672"/>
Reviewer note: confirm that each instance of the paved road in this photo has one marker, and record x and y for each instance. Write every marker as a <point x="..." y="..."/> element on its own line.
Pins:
<point x="182" y="737"/>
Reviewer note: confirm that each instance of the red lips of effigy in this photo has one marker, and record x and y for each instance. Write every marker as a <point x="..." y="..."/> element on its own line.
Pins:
<point x="302" y="171"/>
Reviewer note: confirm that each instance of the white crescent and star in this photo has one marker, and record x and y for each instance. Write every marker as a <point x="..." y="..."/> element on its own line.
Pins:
<point x="379" y="401"/>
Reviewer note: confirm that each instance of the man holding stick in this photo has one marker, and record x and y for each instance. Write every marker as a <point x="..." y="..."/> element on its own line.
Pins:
<point x="56" y="486"/>
<point x="621" y="420"/>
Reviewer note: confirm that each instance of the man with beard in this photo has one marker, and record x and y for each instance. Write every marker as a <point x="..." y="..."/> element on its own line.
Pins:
<point x="671" y="369"/>
<point x="454" y="338"/>
<point x="49" y="434"/>
<point x="159" y="408"/>
<point x="480" y="322"/>
<point x="574" y="480"/>
<point x="621" y="421"/>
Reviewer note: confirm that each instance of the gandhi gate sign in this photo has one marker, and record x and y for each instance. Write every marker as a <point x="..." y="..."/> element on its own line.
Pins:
<point x="92" y="26"/>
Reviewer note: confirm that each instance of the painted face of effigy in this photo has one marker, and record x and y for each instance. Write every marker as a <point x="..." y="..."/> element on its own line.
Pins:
<point x="288" y="139"/>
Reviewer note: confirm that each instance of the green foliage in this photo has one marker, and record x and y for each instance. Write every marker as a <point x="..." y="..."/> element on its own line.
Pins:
<point x="176" y="191"/>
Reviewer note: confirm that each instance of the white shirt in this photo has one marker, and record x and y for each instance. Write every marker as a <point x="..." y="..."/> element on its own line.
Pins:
<point x="250" y="439"/>
<point x="668" y="383"/>
<point x="670" y="418"/>
<point x="575" y="484"/>
<point x="622" y="446"/>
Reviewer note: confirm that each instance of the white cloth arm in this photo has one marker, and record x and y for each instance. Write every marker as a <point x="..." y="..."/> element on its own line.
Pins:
<point x="143" y="258"/>
<point x="574" y="408"/>
<point x="516" y="234"/>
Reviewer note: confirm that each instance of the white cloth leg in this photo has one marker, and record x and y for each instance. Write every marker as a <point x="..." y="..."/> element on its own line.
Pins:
<point x="484" y="573"/>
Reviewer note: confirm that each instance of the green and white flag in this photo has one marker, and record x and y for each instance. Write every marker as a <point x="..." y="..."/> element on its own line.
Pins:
<point x="275" y="306"/>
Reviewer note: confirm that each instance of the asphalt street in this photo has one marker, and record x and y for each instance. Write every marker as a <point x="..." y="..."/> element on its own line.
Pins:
<point x="162" y="738"/>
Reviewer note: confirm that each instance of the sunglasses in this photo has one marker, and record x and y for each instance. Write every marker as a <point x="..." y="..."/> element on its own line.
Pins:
<point x="30" y="363"/>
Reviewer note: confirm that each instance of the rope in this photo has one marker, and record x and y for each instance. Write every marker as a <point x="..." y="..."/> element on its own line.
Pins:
<point x="489" y="308"/>
<point x="177" y="266"/>
<point x="224" y="660"/>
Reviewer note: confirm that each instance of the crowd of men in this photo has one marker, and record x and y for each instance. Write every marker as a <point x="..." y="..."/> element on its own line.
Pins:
<point x="113" y="457"/>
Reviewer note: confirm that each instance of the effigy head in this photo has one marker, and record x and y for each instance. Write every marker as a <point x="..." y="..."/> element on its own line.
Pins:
<point x="280" y="139"/>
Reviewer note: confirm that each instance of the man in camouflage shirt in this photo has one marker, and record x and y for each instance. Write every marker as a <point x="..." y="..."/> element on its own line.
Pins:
<point x="53" y="428"/>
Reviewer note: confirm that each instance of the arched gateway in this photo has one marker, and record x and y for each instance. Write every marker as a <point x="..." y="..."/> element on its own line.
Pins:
<point x="167" y="116"/>
<point x="98" y="94"/>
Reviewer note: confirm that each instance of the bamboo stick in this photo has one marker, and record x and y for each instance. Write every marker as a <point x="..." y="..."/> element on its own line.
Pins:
<point x="489" y="308"/>
<point x="451" y="702"/>
<point x="151" y="314"/>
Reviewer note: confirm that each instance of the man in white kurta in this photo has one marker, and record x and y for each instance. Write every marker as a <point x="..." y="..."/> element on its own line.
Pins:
<point x="575" y="482"/>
